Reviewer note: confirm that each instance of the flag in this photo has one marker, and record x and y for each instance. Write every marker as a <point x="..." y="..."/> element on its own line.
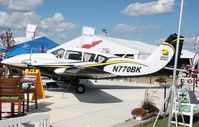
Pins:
<point x="87" y="35"/>
<point x="30" y="32"/>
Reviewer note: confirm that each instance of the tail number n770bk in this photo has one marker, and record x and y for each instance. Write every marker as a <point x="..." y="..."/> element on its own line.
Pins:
<point x="126" y="69"/>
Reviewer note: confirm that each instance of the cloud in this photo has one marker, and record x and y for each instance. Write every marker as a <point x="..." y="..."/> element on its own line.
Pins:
<point x="149" y="8"/>
<point x="48" y="26"/>
<point x="22" y="5"/>
<point x="4" y="2"/>
<point x="123" y="28"/>
<point x="18" y="20"/>
<point x="188" y="44"/>
<point x="3" y="17"/>
<point x="56" y="23"/>
<point x="190" y="39"/>
<point x="18" y="14"/>
<point x="60" y="36"/>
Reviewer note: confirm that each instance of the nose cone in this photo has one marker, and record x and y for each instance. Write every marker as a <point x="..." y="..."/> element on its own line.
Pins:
<point x="14" y="61"/>
<point x="7" y="61"/>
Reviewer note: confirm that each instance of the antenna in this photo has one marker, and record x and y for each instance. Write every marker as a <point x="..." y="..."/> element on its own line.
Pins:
<point x="30" y="58"/>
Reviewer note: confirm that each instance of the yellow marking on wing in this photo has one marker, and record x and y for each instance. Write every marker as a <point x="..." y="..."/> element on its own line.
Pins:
<point x="56" y="66"/>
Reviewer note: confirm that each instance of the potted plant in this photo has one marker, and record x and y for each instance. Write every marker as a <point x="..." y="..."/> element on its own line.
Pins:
<point x="149" y="108"/>
<point x="138" y="113"/>
<point x="148" y="104"/>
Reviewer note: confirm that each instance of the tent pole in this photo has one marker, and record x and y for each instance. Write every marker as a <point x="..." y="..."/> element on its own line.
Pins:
<point x="175" y="66"/>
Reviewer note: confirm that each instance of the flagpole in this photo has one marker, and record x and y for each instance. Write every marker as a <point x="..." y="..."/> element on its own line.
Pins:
<point x="196" y="42"/>
<point x="175" y="65"/>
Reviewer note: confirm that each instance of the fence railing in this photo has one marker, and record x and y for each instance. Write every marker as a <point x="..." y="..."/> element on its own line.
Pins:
<point x="33" y="120"/>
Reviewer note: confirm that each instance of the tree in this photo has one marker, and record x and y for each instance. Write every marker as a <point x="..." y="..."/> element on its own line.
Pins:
<point x="7" y="39"/>
<point x="104" y="31"/>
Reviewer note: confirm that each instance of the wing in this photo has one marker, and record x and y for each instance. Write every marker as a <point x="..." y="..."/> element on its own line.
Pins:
<point x="84" y="72"/>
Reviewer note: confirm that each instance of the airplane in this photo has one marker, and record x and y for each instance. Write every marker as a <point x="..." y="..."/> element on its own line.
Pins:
<point x="70" y="65"/>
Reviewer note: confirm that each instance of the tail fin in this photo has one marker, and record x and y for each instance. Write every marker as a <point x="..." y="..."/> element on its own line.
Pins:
<point x="165" y="53"/>
<point x="172" y="39"/>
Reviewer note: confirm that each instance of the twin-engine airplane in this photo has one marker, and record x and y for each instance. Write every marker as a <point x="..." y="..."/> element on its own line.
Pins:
<point x="74" y="64"/>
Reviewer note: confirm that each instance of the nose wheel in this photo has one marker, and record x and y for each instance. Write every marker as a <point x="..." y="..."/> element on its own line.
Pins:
<point x="80" y="88"/>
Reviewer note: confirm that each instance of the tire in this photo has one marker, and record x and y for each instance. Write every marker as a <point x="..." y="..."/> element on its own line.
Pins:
<point x="80" y="88"/>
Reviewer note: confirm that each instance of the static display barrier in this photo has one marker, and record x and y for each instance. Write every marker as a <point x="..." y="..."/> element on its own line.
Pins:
<point x="35" y="73"/>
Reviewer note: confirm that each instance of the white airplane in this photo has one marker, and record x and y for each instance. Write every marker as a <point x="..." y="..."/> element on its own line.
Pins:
<point x="77" y="63"/>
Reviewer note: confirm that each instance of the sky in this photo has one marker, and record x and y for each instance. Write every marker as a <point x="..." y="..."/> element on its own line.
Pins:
<point x="150" y="21"/>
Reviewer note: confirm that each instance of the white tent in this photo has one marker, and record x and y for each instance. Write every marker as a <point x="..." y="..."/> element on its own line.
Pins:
<point x="187" y="54"/>
<point x="119" y="46"/>
<point x="105" y="45"/>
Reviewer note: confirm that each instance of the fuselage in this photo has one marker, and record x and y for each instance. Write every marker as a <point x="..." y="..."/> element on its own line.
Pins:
<point x="49" y="62"/>
<point x="85" y="63"/>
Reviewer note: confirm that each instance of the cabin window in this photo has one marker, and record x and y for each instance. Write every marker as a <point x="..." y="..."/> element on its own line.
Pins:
<point x="101" y="59"/>
<point x="74" y="55"/>
<point x="131" y="56"/>
<point x="120" y="55"/>
<point x="88" y="57"/>
<point x="59" y="53"/>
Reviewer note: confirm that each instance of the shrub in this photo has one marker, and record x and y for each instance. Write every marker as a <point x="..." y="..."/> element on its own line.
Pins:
<point x="160" y="80"/>
<point x="149" y="106"/>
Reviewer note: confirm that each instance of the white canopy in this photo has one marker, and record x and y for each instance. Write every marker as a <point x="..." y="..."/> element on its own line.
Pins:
<point x="119" y="46"/>
<point x="104" y="45"/>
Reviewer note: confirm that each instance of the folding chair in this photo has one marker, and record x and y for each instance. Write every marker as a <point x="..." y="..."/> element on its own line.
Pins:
<point x="11" y="92"/>
<point x="29" y="86"/>
<point x="187" y="105"/>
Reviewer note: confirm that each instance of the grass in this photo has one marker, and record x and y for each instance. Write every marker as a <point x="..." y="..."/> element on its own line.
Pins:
<point x="164" y="122"/>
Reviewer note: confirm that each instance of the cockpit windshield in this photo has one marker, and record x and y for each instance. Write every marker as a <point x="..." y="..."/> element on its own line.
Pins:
<point x="59" y="53"/>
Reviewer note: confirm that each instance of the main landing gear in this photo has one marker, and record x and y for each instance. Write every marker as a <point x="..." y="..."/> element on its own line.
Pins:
<point x="79" y="87"/>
